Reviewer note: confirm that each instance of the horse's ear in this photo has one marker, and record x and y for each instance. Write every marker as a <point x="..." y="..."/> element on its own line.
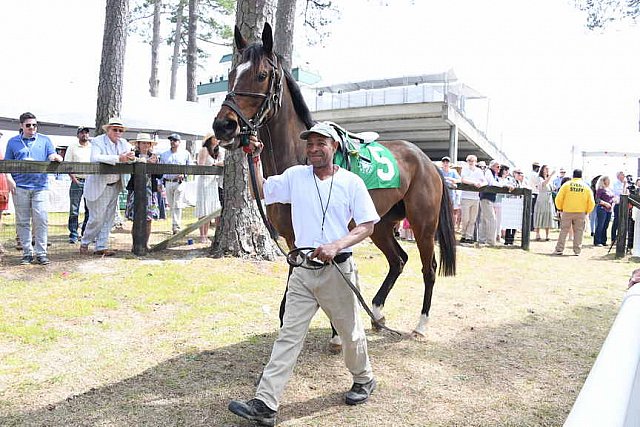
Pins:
<point x="241" y="43"/>
<point x="267" y="38"/>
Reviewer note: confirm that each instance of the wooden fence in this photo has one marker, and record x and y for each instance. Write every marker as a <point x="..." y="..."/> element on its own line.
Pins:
<point x="526" y="206"/>
<point x="139" y="171"/>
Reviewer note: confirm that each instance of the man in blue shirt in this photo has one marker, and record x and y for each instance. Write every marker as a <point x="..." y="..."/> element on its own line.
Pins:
<point x="173" y="183"/>
<point x="31" y="195"/>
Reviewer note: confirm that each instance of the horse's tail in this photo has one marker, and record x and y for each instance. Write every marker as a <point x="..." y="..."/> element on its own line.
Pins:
<point x="446" y="234"/>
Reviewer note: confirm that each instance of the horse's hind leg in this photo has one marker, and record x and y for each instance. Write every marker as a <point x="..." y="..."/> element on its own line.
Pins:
<point x="426" y="246"/>
<point x="384" y="239"/>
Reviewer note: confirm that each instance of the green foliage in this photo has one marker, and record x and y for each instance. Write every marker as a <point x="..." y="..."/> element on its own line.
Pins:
<point x="601" y="13"/>
<point x="212" y="25"/>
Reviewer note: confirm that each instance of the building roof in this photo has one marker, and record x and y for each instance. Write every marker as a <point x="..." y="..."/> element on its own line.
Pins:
<point x="447" y="77"/>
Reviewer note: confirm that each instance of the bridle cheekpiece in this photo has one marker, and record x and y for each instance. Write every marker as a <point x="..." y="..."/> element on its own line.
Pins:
<point x="271" y="101"/>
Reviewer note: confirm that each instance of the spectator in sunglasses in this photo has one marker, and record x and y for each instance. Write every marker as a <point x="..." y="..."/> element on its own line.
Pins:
<point x="31" y="192"/>
<point x="101" y="191"/>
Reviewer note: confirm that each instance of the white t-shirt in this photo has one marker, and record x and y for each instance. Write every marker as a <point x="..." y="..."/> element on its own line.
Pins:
<point x="476" y="176"/>
<point x="343" y="201"/>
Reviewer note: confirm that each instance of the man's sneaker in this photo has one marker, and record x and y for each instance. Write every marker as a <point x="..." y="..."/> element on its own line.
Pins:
<point x="556" y="253"/>
<point x="360" y="393"/>
<point x="26" y="260"/>
<point x="254" y="410"/>
<point x="42" y="260"/>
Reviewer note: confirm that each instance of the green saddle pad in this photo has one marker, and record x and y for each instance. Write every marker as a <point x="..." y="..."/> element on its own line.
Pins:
<point x="374" y="163"/>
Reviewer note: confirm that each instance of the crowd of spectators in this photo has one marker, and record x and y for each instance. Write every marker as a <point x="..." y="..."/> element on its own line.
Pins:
<point x="484" y="218"/>
<point x="98" y="193"/>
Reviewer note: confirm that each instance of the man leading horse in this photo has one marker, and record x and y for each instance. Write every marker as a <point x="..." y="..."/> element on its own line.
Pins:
<point x="324" y="199"/>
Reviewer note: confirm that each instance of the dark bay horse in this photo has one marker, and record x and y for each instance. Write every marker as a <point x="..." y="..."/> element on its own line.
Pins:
<point x="264" y="97"/>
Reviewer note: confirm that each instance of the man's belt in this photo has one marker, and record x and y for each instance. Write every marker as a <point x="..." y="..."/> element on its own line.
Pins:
<point x="111" y="184"/>
<point x="174" y="180"/>
<point x="339" y="259"/>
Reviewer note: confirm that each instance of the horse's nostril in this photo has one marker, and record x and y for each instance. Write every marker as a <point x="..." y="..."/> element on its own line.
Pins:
<point x="230" y="125"/>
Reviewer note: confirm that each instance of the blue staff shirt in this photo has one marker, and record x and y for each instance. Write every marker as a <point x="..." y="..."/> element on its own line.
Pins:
<point x="38" y="148"/>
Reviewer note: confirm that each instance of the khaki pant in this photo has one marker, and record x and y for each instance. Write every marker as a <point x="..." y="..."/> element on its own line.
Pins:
<point x="308" y="290"/>
<point x="469" y="215"/>
<point x="568" y="220"/>
<point x="175" y="192"/>
<point x="487" y="232"/>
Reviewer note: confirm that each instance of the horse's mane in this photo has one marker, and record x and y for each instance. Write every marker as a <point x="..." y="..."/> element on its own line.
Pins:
<point x="254" y="53"/>
<point x="298" y="101"/>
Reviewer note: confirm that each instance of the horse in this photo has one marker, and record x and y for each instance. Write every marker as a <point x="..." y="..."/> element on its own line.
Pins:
<point x="264" y="97"/>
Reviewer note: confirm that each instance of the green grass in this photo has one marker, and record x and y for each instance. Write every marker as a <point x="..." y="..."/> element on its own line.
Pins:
<point x="123" y="342"/>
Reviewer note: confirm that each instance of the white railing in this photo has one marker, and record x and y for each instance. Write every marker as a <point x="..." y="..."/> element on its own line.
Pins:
<point x="611" y="394"/>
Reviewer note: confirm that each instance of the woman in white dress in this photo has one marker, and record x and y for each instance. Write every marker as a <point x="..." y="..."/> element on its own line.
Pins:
<point x="211" y="154"/>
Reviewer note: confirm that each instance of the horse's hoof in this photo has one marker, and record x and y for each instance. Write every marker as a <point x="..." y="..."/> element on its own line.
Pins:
<point x="335" y="348"/>
<point x="375" y="326"/>
<point x="418" y="336"/>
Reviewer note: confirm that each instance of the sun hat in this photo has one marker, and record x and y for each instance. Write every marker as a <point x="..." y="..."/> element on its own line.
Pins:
<point x="114" y="121"/>
<point x="207" y="136"/>
<point x="322" y="128"/>
<point x="144" y="137"/>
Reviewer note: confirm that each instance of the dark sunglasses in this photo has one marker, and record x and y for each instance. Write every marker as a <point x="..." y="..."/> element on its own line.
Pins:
<point x="31" y="125"/>
<point x="118" y="130"/>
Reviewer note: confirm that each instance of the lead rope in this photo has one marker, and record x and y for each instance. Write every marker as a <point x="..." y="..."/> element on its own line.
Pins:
<point x="297" y="258"/>
<point x="254" y="185"/>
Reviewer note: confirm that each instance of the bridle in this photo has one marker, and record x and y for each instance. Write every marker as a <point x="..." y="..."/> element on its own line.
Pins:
<point x="271" y="101"/>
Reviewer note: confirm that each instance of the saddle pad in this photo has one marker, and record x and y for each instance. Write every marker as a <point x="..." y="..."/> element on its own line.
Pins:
<point x="374" y="163"/>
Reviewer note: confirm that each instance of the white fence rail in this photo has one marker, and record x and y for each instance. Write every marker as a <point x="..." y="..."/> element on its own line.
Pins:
<point x="611" y="394"/>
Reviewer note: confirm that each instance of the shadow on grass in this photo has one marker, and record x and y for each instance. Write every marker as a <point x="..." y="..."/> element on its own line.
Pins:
<point x="533" y="368"/>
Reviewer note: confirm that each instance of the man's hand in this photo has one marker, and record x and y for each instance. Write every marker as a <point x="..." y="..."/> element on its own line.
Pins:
<point x="326" y="252"/>
<point x="125" y="157"/>
<point x="54" y="157"/>
<point x="255" y="146"/>
<point x="12" y="185"/>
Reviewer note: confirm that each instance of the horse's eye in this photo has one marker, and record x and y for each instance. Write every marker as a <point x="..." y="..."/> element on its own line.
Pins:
<point x="262" y="76"/>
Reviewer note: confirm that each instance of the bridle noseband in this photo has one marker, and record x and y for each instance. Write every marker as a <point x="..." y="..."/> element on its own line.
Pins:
<point x="271" y="101"/>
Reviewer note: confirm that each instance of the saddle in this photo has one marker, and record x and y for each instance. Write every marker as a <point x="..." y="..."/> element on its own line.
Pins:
<point x="350" y="142"/>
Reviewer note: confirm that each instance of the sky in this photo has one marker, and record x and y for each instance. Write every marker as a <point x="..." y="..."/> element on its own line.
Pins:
<point x="551" y="84"/>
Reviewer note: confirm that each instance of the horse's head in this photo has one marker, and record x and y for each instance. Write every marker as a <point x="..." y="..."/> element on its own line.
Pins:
<point x="255" y="89"/>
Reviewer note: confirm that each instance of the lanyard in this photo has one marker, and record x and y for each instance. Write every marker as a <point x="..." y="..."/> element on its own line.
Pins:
<point x="29" y="146"/>
<point x="322" y="206"/>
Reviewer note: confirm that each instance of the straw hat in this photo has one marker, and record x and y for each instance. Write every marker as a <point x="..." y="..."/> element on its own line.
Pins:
<point x="114" y="121"/>
<point x="143" y="137"/>
<point x="208" y="136"/>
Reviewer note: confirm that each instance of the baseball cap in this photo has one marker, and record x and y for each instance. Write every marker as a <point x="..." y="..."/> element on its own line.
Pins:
<point x="445" y="159"/>
<point x="322" y="128"/>
<point x="174" y="136"/>
<point x="82" y="129"/>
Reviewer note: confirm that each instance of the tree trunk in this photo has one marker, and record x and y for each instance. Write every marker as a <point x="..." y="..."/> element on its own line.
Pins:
<point x="154" y="83"/>
<point x="114" y="42"/>
<point x="192" y="51"/>
<point x="241" y="232"/>
<point x="175" y="59"/>
<point x="283" y="31"/>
